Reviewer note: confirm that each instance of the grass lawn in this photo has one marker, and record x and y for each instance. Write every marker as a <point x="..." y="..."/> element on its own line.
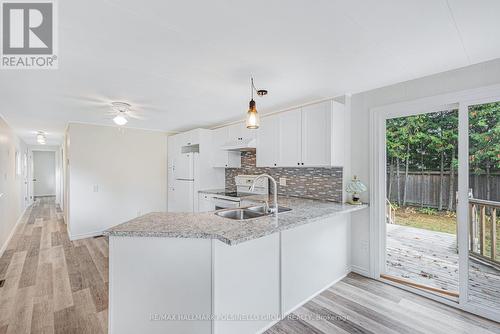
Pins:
<point x="437" y="221"/>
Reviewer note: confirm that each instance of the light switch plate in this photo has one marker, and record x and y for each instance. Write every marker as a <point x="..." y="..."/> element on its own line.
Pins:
<point x="96" y="188"/>
<point x="283" y="181"/>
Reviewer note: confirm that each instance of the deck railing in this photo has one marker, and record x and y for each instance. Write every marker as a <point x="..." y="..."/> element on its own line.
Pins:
<point x="390" y="212"/>
<point x="483" y="229"/>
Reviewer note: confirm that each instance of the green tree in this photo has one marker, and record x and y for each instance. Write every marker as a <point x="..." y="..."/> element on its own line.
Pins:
<point x="484" y="141"/>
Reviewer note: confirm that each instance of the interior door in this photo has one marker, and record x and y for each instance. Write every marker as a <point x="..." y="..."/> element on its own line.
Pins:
<point x="44" y="177"/>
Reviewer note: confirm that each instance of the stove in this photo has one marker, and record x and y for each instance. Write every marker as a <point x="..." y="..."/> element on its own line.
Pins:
<point x="231" y="199"/>
<point x="233" y="194"/>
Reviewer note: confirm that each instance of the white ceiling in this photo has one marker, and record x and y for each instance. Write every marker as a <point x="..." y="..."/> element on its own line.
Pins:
<point x="188" y="63"/>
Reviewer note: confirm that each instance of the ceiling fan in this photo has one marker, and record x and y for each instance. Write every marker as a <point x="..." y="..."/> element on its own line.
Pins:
<point x="121" y="111"/>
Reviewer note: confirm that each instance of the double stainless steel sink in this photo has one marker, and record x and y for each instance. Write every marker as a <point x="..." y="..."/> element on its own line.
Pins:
<point x="248" y="213"/>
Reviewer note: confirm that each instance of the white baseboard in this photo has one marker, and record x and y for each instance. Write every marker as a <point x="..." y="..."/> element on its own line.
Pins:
<point x="74" y="237"/>
<point x="360" y="270"/>
<point x="303" y="302"/>
<point x="13" y="231"/>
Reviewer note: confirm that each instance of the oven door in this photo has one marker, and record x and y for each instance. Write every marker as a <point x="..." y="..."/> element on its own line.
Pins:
<point x="224" y="203"/>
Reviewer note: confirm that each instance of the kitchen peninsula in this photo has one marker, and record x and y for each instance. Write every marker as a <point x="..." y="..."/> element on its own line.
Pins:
<point x="201" y="273"/>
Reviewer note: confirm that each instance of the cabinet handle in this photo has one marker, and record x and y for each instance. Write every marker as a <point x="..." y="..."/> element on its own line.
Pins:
<point x="298" y="163"/>
<point x="275" y="164"/>
<point x="302" y="164"/>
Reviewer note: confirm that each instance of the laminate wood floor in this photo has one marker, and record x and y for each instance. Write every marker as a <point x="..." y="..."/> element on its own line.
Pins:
<point x="361" y="305"/>
<point x="54" y="285"/>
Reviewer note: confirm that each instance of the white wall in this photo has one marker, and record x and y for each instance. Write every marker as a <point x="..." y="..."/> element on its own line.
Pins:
<point x="44" y="169"/>
<point x="473" y="76"/>
<point x="113" y="175"/>
<point x="12" y="186"/>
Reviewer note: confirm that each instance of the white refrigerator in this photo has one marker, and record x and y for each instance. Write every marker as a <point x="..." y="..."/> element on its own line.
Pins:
<point x="183" y="191"/>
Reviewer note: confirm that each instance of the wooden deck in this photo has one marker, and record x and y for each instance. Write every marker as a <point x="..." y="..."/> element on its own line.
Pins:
<point x="431" y="258"/>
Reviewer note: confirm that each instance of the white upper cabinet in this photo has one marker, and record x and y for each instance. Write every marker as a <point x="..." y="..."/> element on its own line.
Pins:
<point x="267" y="142"/>
<point x="248" y="133"/>
<point x="338" y="134"/>
<point x="188" y="138"/>
<point x="219" y="138"/>
<point x="239" y="132"/>
<point x="311" y="136"/>
<point x="222" y="158"/>
<point x="289" y="142"/>
<point x="235" y="132"/>
<point x="316" y="134"/>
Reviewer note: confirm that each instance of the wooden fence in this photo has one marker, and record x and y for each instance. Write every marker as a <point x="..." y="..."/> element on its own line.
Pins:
<point x="424" y="189"/>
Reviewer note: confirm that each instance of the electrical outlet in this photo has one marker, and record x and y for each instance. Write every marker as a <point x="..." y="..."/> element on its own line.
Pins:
<point x="283" y="181"/>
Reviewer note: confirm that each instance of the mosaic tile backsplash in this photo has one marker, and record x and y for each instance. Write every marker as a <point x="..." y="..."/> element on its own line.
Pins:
<point x="315" y="183"/>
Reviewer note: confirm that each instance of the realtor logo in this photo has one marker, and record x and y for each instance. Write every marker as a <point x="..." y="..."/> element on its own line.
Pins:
<point x="28" y="35"/>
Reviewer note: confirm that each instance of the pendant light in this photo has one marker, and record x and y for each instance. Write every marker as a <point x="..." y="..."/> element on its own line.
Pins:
<point x="253" y="119"/>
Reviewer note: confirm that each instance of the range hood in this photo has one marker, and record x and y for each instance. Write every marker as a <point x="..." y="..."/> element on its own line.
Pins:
<point x="245" y="144"/>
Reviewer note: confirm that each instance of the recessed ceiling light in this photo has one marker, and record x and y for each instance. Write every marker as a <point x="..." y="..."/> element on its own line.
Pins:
<point x="40" y="138"/>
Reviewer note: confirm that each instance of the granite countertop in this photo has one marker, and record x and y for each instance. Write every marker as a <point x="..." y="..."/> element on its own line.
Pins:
<point x="207" y="225"/>
<point x="212" y="191"/>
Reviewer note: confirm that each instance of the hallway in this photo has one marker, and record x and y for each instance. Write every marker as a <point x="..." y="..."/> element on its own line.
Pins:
<point x="50" y="284"/>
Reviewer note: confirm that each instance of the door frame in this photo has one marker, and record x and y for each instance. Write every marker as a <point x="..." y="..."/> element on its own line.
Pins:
<point x="459" y="100"/>
<point x="57" y="171"/>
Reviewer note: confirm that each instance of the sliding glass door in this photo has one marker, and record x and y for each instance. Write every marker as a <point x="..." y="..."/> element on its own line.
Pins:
<point x="421" y="220"/>
<point x="436" y="198"/>
<point x="482" y="272"/>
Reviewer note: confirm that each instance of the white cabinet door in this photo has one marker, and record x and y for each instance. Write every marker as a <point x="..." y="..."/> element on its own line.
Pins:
<point x="219" y="138"/>
<point x="239" y="132"/>
<point x="316" y="135"/>
<point x="205" y="203"/>
<point x="267" y="142"/>
<point x="182" y="139"/>
<point x="235" y="132"/>
<point x="222" y="158"/>
<point x="338" y="134"/>
<point x="290" y="139"/>
<point x="248" y="133"/>
<point x="188" y="138"/>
